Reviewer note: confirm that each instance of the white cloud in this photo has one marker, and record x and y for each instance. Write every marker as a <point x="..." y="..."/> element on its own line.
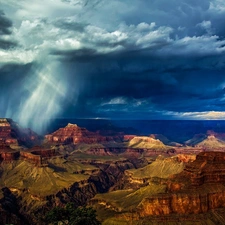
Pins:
<point x="207" y="115"/>
<point x="17" y="56"/>
<point x="36" y="28"/>
<point x="206" y="25"/>
<point x="41" y="35"/>
<point x="115" y="101"/>
<point x="217" y="6"/>
<point x="195" y="46"/>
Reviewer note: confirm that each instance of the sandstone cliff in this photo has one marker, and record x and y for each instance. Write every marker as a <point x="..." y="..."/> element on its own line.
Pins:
<point x="160" y="194"/>
<point x="75" y="134"/>
<point x="196" y="190"/>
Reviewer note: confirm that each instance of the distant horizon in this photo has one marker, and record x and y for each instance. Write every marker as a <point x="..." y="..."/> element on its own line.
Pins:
<point x="74" y="118"/>
<point x="113" y="60"/>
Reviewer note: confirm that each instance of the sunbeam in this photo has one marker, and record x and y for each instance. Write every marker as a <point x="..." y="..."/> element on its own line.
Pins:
<point x="46" y="90"/>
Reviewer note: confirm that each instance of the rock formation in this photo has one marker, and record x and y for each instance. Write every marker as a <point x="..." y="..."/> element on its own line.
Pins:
<point x="38" y="155"/>
<point x="210" y="141"/>
<point x="7" y="134"/>
<point x="165" y="140"/>
<point x="160" y="194"/>
<point x="9" y="155"/>
<point x="12" y="134"/>
<point x="197" y="189"/>
<point x="145" y="142"/>
<point x="73" y="134"/>
<point x="38" y="189"/>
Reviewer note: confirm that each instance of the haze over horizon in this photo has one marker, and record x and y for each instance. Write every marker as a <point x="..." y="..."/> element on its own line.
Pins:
<point x="111" y="59"/>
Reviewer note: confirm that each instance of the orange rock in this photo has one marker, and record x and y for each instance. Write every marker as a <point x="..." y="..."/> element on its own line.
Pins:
<point x="197" y="189"/>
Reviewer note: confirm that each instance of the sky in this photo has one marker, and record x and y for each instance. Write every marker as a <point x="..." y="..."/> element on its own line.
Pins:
<point x="117" y="59"/>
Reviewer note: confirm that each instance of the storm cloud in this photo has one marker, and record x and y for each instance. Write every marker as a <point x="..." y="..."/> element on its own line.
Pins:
<point x="145" y="60"/>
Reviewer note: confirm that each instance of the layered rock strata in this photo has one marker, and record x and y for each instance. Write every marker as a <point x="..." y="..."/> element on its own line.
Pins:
<point x="198" y="189"/>
<point x="39" y="156"/>
<point x="73" y="134"/>
<point x="12" y="134"/>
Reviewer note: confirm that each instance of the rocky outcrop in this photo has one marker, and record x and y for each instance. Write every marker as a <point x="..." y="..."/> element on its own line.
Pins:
<point x="145" y="142"/>
<point x="209" y="167"/>
<point x="43" y="188"/>
<point x="185" y="203"/>
<point x="211" y="141"/>
<point x="165" y="140"/>
<point x="7" y="134"/>
<point x="9" y="155"/>
<point x="38" y="156"/>
<point x="100" y="181"/>
<point x="186" y="157"/>
<point x="73" y="134"/>
<point x="12" y="134"/>
<point x="128" y="137"/>
<point x="34" y="159"/>
<point x="198" y="189"/>
<point x="129" y="152"/>
<point x="156" y="171"/>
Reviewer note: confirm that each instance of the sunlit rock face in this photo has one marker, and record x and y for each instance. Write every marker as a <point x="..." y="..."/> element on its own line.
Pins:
<point x="211" y="141"/>
<point x="197" y="189"/>
<point x="73" y="134"/>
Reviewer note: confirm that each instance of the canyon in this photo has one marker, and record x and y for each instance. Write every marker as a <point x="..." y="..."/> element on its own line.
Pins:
<point x="125" y="177"/>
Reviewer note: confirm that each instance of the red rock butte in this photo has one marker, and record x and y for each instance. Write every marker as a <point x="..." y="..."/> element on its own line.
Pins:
<point x="73" y="134"/>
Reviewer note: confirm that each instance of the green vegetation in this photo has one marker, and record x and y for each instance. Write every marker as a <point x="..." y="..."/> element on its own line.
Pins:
<point x="43" y="181"/>
<point x="83" y="147"/>
<point x="161" y="168"/>
<point x="116" y="207"/>
<point x="126" y="200"/>
<point x="101" y="158"/>
<point x="71" y="216"/>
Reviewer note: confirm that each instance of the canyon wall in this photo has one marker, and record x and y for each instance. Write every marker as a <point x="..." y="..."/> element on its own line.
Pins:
<point x="197" y="189"/>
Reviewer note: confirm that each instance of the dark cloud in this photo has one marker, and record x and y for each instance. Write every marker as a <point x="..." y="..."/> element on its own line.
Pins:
<point x="70" y="25"/>
<point x="5" y="32"/>
<point x="4" y="44"/>
<point x="5" y="24"/>
<point x="84" y="54"/>
<point x="150" y="59"/>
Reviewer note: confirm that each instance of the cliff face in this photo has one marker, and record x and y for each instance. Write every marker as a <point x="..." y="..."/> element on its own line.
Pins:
<point x="39" y="156"/>
<point x="197" y="189"/>
<point x="184" y="203"/>
<point x="168" y="192"/>
<point x="9" y="155"/>
<point x="7" y="134"/>
<point x="12" y="134"/>
<point x="73" y="134"/>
